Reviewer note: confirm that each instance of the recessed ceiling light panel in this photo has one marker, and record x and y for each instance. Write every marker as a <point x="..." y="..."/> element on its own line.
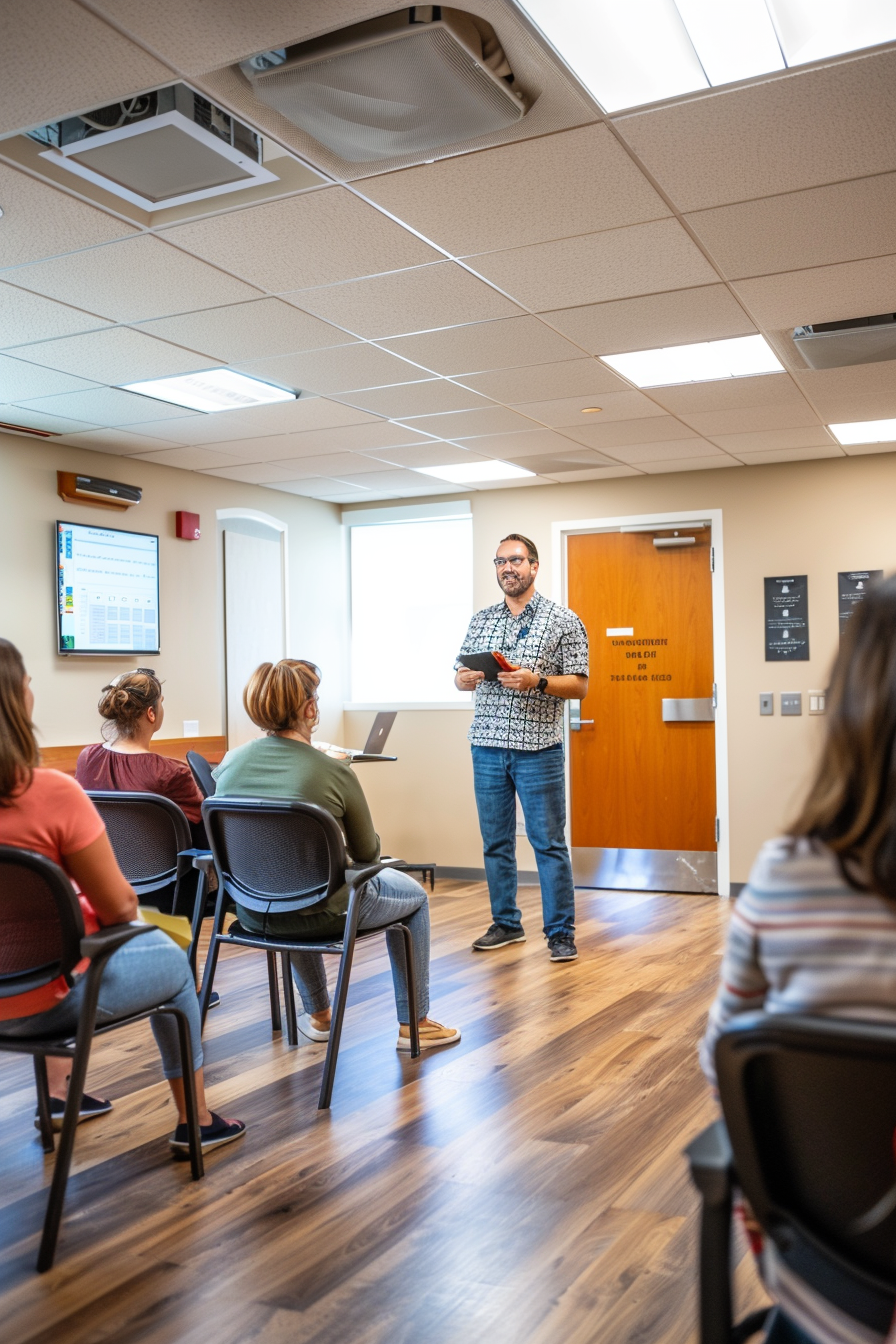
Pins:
<point x="212" y="390"/>
<point x="865" y="431"/>
<point x="707" y="361"/>
<point x="469" y="473"/>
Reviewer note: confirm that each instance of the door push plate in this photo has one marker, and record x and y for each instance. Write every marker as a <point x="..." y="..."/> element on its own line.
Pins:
<point x="700" y="710"/>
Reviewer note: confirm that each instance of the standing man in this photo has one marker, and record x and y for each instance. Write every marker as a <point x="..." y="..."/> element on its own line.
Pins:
<point x="517" y="740"/>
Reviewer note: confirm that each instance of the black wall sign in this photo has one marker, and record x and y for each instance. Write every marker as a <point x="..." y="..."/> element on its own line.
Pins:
<point x="851" y="588"/>
<point x="787" y="619"/>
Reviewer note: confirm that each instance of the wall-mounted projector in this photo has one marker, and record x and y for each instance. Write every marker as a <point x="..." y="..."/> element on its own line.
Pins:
<point x="401" y="84"/>
<point x="169" y="147"/>
<point x="858" y="340"/>
<point x="76" y="489"/>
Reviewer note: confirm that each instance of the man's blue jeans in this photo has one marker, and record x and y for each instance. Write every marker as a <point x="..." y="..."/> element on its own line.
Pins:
<point x="538" y="778"/>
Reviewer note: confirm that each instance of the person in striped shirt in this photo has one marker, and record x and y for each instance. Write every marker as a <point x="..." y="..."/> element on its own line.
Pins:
<point x="814" y="930"/>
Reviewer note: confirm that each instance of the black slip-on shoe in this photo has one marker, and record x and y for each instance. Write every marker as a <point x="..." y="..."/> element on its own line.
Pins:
<point x="498" y="936"/>
<point x="91" y="1107"/>
<point x="563" y="947"/>
<point x="215" y="1135"/>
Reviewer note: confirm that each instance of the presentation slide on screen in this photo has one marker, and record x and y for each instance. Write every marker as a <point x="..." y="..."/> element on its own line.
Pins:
<point x="108" y="590"/>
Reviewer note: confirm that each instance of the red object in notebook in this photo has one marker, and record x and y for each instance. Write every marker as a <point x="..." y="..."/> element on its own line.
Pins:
<point x="187" y="525"/>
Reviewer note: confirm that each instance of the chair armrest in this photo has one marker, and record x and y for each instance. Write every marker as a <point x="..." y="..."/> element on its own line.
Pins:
<point x="712" y="1163"/>
<point x="200" y="858"/>
<point x="356" y="877"/>
<point x="111" y="938"/>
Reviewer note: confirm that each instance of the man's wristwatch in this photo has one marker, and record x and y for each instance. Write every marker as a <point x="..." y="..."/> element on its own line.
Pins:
<point x="542" y="684"/>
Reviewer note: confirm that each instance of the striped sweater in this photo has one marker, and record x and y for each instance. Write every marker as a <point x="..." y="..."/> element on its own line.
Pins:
<point x="801" y="940"/>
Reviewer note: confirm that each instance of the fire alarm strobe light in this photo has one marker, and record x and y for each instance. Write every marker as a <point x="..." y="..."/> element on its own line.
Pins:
<point x="188" y="525"/>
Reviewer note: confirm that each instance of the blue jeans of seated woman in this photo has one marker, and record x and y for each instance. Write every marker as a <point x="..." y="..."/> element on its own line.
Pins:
<point x="148" y="971"/>
<point x="539" y="778"/>
<point x="389" y="896"/>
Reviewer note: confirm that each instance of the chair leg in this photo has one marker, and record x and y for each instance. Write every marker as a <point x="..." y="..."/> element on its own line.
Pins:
<point x="43" y="1103"/>
<point x="211" y="961"/>
<point x="339" y="1001"/>
<point x="289" y="998"/>
<point x="197" y="1165"/>
<point x="411" y="972"/>
<point x="196" y="922"/>
<point x="274" y="991"/>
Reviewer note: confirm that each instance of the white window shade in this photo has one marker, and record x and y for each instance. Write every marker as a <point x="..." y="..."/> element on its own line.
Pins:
<point x="412" y="598"/>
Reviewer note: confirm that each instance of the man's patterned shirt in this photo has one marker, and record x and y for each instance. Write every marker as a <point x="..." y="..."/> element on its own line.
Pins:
<point x="548" y="639"/>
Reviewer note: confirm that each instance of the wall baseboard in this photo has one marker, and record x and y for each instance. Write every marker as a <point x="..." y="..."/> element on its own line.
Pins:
<point x="525" y="879"/>
<point x="212" y="748"/>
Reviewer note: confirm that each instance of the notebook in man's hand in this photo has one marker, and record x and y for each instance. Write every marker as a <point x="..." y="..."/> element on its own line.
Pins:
<point x="489" y="663"/>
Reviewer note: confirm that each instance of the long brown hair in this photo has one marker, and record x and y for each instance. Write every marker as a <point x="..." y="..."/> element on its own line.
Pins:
<point x="277" y="693"/>
<point x="18" y="748"/>
<point x="127" y="698"/>
<point x="851" y="805"/>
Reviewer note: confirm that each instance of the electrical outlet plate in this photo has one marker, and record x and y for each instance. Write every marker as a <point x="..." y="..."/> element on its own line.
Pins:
<point x="766" y="702"/>
<point x="191" y="727"/>
<point x="791" y="702"/>
<point x="816" y="701"/>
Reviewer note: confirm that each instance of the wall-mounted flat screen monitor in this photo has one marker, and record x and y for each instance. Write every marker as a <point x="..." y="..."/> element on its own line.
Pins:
<point x="108" y="590"/>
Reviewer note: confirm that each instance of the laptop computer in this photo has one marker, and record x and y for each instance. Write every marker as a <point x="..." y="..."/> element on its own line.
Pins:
<point x="376" y="740"/>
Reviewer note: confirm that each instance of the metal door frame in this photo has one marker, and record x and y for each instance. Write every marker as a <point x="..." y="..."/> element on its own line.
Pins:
<point x="559" y="533"/>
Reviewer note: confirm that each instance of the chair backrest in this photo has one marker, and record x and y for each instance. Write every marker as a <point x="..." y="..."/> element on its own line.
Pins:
<point x="810" y="1108"/>
<point x="202" y="773"/>
<point x="275" y="854"/>
<point x="41" y="925"/>
<point x="147" y="832"/>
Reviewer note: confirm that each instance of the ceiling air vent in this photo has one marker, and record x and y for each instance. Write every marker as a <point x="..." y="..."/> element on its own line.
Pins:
<point x="859" y="340"/>
<point x="401" y="84"/>
<point x="161" y="149"/>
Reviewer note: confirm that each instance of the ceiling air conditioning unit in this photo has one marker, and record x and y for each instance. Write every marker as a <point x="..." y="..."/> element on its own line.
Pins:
<point x="160" y="149"/>
<point x="859" y="340"/>
<point x="401" y="84"/>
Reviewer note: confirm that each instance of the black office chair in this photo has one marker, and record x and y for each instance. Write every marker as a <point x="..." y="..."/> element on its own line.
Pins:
<point x="42" y="940"/>
<point x="278" y="856"/>
<point x="809" y="1107"/>
<point x="151" y="839"/>
<point x="202" y="773"/>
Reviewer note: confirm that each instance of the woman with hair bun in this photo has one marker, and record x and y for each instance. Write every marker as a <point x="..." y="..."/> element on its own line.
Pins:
<point x="133" y="709"/>
<point x="281" y="699"/>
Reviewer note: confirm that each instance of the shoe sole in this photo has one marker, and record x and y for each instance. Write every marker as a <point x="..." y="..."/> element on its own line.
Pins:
<point x="574" y="957"/>
<point x="180" y="1150"/>
<point x="405" y="1044"/>
<point x="312" y="1034"/>
<point x="496" y="947"/>
<point x="56" y="1121"/>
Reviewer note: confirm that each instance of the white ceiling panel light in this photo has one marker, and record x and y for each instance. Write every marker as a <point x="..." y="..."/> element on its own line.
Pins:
<point x="645" y="51"/>
<point x="469" y="473"/>
<point x="865" y="431"/>
<point x="212" y="390"/>
<point x="707" y="361"/>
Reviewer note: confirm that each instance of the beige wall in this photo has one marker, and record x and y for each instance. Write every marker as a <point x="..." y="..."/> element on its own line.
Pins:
<point x="813" y="517"/>
<point x="191" y="662"/>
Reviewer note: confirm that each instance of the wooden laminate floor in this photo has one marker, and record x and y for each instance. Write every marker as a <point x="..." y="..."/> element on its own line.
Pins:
<point x="523" y="1187"/>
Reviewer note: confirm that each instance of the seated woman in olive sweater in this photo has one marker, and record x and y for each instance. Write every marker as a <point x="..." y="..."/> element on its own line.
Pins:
<point x="281" y="698"/>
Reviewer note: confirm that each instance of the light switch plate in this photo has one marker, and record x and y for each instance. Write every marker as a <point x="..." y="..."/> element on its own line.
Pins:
<point x="816" y="701"/>
<point x="766" y="702"/>
<point x="191" y="727"/>
<point x="791" y="702"/>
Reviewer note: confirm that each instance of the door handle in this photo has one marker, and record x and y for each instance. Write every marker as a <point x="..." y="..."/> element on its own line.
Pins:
<point x="575" y="719"/>
<point x="701" y="709"/>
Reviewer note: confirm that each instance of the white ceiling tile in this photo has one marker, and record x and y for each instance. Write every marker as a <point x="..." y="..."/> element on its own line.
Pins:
<point x="609" y="473"/>
<point x="772" y="440"/>
<point x="312" y="239"/>
<point x="637" y="454"/>
<point x="822" y="293"/>
<point x="651" y="429"/>
<point x="753" y="419"/>
<point x="352" y="438"/>
<point x="189" y="458"/>
<point x="60" y="58"/>
<point x="576" y="182"/>
<point x="545" y="382"/>
<point x="26" y="317"/>
<point x="790" y="454"/>
<point x="252" y="330"/>
<point x="345" y="368"/>
<point x="783" y="134"/>
<point x="120" y="442"/>
<point x="335" y="465"/>
<point x="420" y="299"/>
<point x="570" y="411"/>
<point x="115" y="355"/>
<point x="481" y="346"/>
<point x="688" y="464"/>
<point x="513" y="446"/>
<point x="40" y="221"/>
<point x="808" y="228"/>
<point x="724" y="394"/>
<point x="434" y="396"/>
<point x="108" y="406"/>
<point x="253" y="473"/>
<point x="575" y="460"/>
<point x="463" y="424"/>
<point x="35" y="419"/>
<point x="139" y="278"/>
<point x="863" y="392"/>
<point x="285" y="417"/>
<point x="380" y="478"/>
<point x="323" y="487"/>
<point x="20" y="381"/>
<point x="597" y="267"/>
<point x="437" y="454"/>
<point x="709" y="313"/>
<point x="864" y="449"/>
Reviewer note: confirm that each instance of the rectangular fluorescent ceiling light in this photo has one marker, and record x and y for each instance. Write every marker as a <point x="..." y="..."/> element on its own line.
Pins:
<point x="212" y="390"/>
<point x="865" y="431"/>
<point x="468" y="473"/>
<point x="705" y="362"/>
<point x="645" y="51"/>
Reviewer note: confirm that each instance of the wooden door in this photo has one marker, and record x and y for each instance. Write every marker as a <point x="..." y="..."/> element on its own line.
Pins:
<point x="636" y="782"/>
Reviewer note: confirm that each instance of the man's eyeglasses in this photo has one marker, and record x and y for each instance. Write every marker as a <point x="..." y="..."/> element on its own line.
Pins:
<point x="515" y="560"/>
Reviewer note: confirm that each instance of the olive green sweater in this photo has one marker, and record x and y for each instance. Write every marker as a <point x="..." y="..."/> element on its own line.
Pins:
<point x="281" y="767"/>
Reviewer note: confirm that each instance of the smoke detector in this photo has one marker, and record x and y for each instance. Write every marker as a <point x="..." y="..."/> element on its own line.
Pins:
<point x="401" y="84"/>
<point x="164" y="148"/>
<point x="858" y="340"/>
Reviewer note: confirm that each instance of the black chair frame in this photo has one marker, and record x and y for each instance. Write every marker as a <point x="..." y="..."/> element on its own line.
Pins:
<point x="232" y="884"/>
<point x="202" y="773"/>
<point x="746" y="1151"/>
<point x="75" y="946"/>
<point x="117" y="806"/>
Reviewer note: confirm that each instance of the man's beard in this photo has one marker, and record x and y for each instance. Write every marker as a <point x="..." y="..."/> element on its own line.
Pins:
<point x="518" y="587"/>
